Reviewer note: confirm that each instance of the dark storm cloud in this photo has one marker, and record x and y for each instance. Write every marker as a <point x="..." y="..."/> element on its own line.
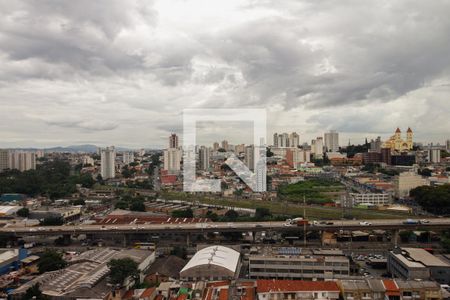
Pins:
<point x="115" y="65"/>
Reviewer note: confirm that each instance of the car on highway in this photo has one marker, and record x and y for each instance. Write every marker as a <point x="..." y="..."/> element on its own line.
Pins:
<point x="411" y="222"/>
<point x="231" y="225"/>
<point x="424" y="221"/>
<point x="365" y="223"/>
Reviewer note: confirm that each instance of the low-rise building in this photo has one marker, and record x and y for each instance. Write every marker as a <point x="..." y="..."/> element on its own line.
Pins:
<point x="407" y="181"/>
<point x="377" y="289"/>
<point x="362" y="289"/>
<point x="378" y="199"/>
<point x="417" y="263"/>
<point x="212" y="263"/>
<point x="86" y="275"/>
<point x="69" y="213"/>
<point x="10" y="259"/>
<point x="296" y="289"/>
<point x="296" y="263"/>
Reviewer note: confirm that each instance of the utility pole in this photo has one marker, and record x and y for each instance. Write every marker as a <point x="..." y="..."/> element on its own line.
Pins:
<point x="304" y="221"/>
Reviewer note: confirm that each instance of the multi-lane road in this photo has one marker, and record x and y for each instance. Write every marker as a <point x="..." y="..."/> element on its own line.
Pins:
<point x="392" y="224"/>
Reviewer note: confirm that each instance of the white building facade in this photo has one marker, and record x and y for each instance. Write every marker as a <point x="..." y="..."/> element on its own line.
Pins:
<point x="108" y="162"/>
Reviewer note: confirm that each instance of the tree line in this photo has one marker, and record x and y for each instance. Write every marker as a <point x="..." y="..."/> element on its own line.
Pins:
<point x="52" y="179"/>
<point x="434" y="199"/>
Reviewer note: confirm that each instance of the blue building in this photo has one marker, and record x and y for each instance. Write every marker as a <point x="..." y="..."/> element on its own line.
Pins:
<point x="10" y="259"/>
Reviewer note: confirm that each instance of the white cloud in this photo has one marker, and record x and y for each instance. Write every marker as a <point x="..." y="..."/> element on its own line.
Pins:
<point x="120" y="72"/>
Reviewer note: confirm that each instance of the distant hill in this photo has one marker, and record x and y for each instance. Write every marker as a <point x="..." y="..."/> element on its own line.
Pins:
<point x="74" y="148"/>
<point x="86" y="148"/>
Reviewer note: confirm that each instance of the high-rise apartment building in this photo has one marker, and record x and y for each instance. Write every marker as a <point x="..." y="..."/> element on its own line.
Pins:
<point x="4" y="154"/>
<point x="332" y="141"/>
<point x="108" y="162"/>
<point x="172" y="160"/>
<point x="128" y="157"/>
<point x="317" y="147"/>
<point x="225" y="145"/>
<point x="249" y="159"/>
<point x="294" y="140"/>
<point x="284" y="140"/>
<point x="239" y="148"/>
<point x="447" y="145"/>
<point x="87" y="160"/>
<point x="296" y="156"/>
<point x="434" y="154"/>
<point x="173" y="141"/>
<point x="204" y="155"/>
<point x="21" y="160"/>
<point x="275" y="140"/>
<point x="216" y="146"/>
<point x="375" y="145"/>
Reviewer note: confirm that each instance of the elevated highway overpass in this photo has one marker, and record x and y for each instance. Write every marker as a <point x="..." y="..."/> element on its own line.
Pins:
<point x="195" y="228"/>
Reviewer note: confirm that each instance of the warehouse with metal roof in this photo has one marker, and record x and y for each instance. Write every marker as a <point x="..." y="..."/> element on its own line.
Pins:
<point x="212" y="263"/>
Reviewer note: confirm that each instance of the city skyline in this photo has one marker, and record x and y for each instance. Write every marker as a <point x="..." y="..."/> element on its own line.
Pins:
<point x="126" y="77"/>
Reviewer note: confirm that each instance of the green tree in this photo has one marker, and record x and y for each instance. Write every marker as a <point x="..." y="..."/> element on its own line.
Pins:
<point x="231" y="215"/>
<point x="126" y="172"/>
<point x="212" y="216"/>
<point x="121" y="269"/>
<point x="183" y="213"/>
<point x="51" y="260"/>
<point x="137" y="206"/>
<point x="51" y="178"/>
<point x="34" y="292"/>
<point x="435" y="199"/>
<point x="79" y="202"/>
<point x="262" y="213"/>
<point x="121" y="205"/>
<point x="405" y="235"/>
<point x="425" y="172"/>
<point x="85" y="180"/>
<point x="179" y="251"/>
<point x="100" y="179"/>
<point x="23" y="212"/>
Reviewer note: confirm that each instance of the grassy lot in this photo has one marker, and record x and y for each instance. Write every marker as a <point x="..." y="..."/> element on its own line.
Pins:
<point x="284" y="208"/>
<point x="316" y="191"/>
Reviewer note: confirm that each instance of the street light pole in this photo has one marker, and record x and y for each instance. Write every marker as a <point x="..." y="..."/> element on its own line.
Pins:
<point x="304" y="221"/>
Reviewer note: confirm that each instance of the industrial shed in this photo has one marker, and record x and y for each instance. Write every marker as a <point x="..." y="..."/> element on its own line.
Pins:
<point x="212" y="263"/>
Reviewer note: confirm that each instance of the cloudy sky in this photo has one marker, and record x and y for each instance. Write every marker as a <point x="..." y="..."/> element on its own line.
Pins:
<point x="121" y="72"/>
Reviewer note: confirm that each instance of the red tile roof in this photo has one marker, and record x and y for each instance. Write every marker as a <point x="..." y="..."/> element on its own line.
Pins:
<point x="223" y="294"/>
<point x="264" y="286"/>
<point x="391" y="288"/>
<point x="159" y="297"/>
<point x="218" y="283"/>
<point x="182" y="297"/>
<point x="128" y="295"/>
<point x="148" y="292"/>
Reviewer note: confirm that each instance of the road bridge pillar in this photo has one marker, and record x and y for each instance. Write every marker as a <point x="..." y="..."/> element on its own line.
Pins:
<point x="395" y="237"/>
<point x="66" y="239"/>
<point x="125" y="240"/>
<point x="188" y="239"/>
<point x="254" y="236"/>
